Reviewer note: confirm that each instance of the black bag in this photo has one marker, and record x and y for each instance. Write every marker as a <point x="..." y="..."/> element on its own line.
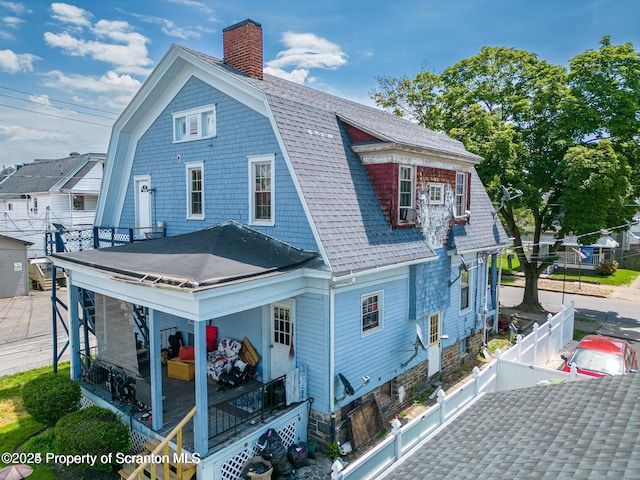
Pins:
<point x="298" y="456"/>
<point x="175" y="342"/>
<point x="274" y="451"/>
<point x="233" y="378"/>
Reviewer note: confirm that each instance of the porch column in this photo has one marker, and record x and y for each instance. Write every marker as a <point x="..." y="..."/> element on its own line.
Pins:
<point x="155" y="372"/>
<point x="74" y="332"/>
<point x="201" y="419"/>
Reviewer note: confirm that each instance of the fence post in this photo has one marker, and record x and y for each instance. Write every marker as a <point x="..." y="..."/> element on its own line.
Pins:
<point x="397" y="433"/>
<point x="519" y="345"/>
<point x="535" y="345"/>
<point x="442" y="401"/>
<point x="476" y="380"/>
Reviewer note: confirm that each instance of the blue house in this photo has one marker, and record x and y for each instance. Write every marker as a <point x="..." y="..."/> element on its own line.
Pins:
<point x="344" y="251"/>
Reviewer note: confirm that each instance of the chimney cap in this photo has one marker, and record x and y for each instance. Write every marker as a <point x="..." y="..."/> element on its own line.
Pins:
<point x="240" y="24"/>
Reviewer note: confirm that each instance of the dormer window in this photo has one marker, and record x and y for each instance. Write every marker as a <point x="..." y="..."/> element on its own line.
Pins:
<point x="406" y="194"/>
<point x="436" y="193"/>
<point x="194" y="124"/>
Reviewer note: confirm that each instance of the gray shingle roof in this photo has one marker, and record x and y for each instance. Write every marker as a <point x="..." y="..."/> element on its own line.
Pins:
<point x="345" y="209"/>
<point x="41" y="175"/>
<point x="588" y="429"/>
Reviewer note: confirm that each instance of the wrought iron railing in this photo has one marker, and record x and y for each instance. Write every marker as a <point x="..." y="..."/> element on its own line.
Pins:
<point x="247" y="408"/>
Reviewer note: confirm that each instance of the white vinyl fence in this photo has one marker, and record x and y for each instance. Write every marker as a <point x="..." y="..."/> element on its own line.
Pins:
<point x="518" y="367"/>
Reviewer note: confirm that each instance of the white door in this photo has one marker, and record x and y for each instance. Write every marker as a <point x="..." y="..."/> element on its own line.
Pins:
<point x="143" y="206"/>
<point x="282" y="341"/>
<point x="434" y="344"/>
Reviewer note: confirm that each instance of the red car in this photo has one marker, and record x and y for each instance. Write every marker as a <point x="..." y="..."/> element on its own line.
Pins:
<point x="599" y="356"/>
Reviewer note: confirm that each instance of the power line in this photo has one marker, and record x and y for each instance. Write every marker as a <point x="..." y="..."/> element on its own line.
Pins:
<point x="55" y="116"/>
<point x="57" y="100"/>
<point x="57" y="108"/>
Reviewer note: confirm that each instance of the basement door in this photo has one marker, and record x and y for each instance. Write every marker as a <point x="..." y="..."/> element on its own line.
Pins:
<point x="282" y="342"/>
<point x="434" y="344"/>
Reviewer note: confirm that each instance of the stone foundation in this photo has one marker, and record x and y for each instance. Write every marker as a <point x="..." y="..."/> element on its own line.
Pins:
<point x="453" y="359"/>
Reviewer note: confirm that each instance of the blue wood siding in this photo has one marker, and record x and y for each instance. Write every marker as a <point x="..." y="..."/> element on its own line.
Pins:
<point x="312" y="344"/>
<point x="241" y="132"/>
<point x="376" y="354"/>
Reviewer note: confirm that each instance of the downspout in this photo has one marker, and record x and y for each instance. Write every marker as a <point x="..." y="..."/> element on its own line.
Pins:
<point x="497" y="287"/>
<point x="332" y="343"/>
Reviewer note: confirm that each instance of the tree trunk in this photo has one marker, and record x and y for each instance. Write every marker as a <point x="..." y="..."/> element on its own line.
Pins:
<point x="530" y="301"/>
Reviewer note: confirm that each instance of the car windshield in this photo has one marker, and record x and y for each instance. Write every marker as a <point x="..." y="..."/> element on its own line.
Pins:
<point x="595" y="361"/>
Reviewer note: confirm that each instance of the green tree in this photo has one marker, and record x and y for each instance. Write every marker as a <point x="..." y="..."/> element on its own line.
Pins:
<point x="523" y="115"/>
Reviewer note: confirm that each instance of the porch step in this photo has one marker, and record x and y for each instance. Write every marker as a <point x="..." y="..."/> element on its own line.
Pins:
<point x="188" y="468"/>
<point x="127" y="471"/>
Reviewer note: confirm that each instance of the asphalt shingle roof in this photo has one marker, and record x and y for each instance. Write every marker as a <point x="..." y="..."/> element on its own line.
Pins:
<point x="40" y="176"/>
<point x="336" y="188"/>
<point x="588" y="429"/>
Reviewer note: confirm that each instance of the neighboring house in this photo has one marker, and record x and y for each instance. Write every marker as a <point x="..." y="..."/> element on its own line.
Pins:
<point x="47" y="194"/>
<point x="14" y="267"/>
<point x="582" y="429"/>
<point x="350" y="247"/>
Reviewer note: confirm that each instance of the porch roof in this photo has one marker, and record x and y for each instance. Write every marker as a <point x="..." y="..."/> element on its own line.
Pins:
<point x="217" y="255"/>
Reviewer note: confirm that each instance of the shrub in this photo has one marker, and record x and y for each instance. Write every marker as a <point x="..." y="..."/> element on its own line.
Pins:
<point x="43" y="443"/>
<point x="94" y="430"/>
<point x="50" y="397"/>
<point x="607" y="268"/>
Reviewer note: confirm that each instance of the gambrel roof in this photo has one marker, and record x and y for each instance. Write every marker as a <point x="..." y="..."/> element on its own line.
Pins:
<point x="350" y="227"/>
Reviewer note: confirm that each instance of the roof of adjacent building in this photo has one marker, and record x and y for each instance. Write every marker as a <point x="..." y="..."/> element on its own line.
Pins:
<point x="587" y="429"/>
<point x="217" y="255"/>
<point x="17" y="240"/>
<point x="43" y="176"/>
<point x="346" y="212"/>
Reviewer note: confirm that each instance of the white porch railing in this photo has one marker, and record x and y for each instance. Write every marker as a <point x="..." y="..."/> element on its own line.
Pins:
<point x="518" y="367"/>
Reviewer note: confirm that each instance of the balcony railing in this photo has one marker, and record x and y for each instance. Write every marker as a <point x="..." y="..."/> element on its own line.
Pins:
<point x="79" y="239"/>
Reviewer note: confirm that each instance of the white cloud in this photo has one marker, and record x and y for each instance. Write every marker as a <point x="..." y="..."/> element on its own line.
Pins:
<point x="305" y="51"/>
<point x="191" y="3"/>
<point x="113" y="90"/>
<point x="13" y="63"/>
<point x="12" y="22"/>
<point x="71" y="14"/>
<point x="16" y="8"/>
<point x="123" y="48"/>
<point x="41" y="99"/>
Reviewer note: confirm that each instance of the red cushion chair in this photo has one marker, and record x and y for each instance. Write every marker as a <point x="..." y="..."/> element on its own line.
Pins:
<point x="211" y="336"/>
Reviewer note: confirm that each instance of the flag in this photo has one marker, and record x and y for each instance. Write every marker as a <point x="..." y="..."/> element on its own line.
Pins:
<point x="580" y="254"/>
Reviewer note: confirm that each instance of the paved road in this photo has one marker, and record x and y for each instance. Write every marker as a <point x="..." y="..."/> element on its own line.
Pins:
<point x="25" y="333"/>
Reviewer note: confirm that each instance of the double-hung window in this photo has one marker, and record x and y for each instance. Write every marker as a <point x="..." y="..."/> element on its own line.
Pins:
<point x="194" y="124"/>
<point x="261" y="201"/>
<point x="195" y="190"/>
<point x="461" y="194"/>
<point x="406" y="194"/>
<point x="371" y="312"/>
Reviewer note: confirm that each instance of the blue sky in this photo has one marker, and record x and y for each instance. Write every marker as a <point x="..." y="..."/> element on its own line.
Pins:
<point x="68" y="69"/>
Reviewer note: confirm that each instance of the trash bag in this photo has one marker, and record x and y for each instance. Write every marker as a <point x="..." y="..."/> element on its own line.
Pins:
<point x="274" y="451"/>
<point x="298" y="456"/>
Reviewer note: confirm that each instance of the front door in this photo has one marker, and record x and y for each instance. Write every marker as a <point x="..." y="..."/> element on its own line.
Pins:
<point x="434" y="344"/>
<point x="143" y="205"/>
<point x="282" y="342"/>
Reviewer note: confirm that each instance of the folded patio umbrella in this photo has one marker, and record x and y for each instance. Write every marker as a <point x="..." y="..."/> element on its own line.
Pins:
<point x="15" y="472"/>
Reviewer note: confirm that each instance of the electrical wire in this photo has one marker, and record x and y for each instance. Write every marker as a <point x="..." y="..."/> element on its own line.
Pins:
<point x="56" y="116"/>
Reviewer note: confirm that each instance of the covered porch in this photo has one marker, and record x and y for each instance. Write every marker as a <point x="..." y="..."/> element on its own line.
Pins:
<point x="228" y="276"/>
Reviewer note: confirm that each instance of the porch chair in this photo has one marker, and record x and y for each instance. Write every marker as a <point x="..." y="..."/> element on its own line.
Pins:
<point x="223" y="359"/>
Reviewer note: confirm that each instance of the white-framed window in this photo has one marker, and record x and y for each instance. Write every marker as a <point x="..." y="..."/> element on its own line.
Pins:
<point x="406" y="194"/>
<point x="464" y="287"/>
<point x="194" y="124"/>
<point x="436" y="193"/>
<point x="371" y="312"/>
<point x="195" y="190"/>
<point x="461" y="194"/>
<point x="261" y="189"/>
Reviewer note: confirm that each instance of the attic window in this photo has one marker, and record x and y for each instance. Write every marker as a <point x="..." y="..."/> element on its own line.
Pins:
<point x="461" y="194"/>
<point x="194" y="124"/>
<point x="436" y="194"/>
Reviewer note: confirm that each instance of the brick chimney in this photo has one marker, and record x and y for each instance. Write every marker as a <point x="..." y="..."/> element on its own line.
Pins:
<point x="242" y="44"/>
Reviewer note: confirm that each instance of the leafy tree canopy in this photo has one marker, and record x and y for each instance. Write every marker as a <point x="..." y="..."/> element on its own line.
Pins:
<point x="569" y="138"/>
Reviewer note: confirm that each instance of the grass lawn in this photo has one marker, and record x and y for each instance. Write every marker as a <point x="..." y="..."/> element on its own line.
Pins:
<point x="16" y="426"/>
<point x="621" y="277"/>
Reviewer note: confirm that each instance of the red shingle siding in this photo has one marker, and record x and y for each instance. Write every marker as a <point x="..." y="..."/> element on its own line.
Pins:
<point x="358" y="135"/>
<point x="384" y="178"/>
<point x="243" y="48"/>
